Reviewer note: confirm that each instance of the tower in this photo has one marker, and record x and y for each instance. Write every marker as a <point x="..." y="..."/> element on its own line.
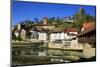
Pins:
<point x="18" y="26"/>
<point x="45" y="20"/>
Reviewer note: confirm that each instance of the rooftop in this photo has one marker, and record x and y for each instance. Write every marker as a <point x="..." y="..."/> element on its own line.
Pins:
<point x="71" y="30"/>
<point x="88" y="25"/>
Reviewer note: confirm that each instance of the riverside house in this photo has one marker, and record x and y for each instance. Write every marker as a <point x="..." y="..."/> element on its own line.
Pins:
<point x="87" y="37"/>
<point x="64" y="39"/>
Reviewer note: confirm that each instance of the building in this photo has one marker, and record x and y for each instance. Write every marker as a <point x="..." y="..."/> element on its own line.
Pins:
<point x="72" y="40"/>
<point x="88" y="33"/>
<point x="72" y="32"/>
<point x="42" y="36"/>
<point x="87" y="37"/>
<point x="67" y="19"/>
<point x="45" y="20"/>
<point x="64" y="39"/>
<point x="56" y="34"/>
<point x="45" y="24"/>
<point x="17" y="33"/>
<point x="33" y="33"/>
<point x="23" y="34"/>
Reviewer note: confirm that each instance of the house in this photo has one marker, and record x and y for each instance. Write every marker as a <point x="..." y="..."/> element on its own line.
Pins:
<point x="56" y="34"/>
<point x="67" y="19"/>
<point x="72" y="32"/>
<point x="17" y="33"/>
<point x="71" y="39"/>
<point x="87" y="33"/>
<point x="42" y="36"/>
<point x="64" y="39"/>
<point x="87" y="37"/>
<point x="23" y="34"/>
<point x="33" y="33"/>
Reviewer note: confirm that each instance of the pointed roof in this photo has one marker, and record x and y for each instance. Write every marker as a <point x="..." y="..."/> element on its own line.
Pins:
<point x="88" y="25"/>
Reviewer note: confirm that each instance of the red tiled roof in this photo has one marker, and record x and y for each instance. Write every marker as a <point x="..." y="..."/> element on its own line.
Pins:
<point x="87" y="31"/>
<point x="88" y="25"/>
<point x="71" y="30"/>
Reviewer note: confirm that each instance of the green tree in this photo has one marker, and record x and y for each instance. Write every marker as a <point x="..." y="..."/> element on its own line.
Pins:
<point x="81" y="17"/>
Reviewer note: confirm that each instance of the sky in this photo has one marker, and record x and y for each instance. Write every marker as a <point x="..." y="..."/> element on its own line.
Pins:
<point x="22" y="11"/>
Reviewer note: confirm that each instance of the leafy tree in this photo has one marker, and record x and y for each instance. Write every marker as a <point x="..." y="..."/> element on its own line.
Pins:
<point x="81" y="17"/>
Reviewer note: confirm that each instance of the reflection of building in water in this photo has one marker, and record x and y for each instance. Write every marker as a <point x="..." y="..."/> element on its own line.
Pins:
<point x="27" y="50"/>
<point x="87" y="37"/>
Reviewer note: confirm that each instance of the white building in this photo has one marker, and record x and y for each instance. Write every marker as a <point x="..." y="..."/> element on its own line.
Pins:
<point x="67" y="19"/>
<point x="23" y="34"/>
<point x="64" y="39"/>
<point x="42" y="36"/>
<point x="58" y="36"/>
<point x="16" y="33"/>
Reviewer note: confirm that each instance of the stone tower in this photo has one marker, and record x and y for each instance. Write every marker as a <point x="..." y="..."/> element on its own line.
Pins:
<point x="45" y="20"/>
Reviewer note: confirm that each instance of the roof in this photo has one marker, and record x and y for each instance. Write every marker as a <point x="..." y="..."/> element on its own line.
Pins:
<point x="71" y="30"/>
<point x="88" y="25"/>
<point x="86" y="31"/>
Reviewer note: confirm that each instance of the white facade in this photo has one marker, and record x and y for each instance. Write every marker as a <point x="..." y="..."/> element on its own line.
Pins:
<point x="58" y="36"/>
<point x="61" y="36"/>
<point x="16" y="34"/>
<point x="66" y="40"/>
<point x="23" y="34"/>
<point x="42" y="36"/>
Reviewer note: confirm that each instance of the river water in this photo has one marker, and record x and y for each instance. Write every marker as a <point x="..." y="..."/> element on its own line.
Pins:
<point x="34" y="55"/>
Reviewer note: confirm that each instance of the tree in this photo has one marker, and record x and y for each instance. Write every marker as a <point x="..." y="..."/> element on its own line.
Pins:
<point x="26" y="24"/>
<point x="81" y="17"/>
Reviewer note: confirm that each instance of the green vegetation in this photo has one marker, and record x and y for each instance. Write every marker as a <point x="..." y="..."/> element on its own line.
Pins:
<point x="81" y="17"/>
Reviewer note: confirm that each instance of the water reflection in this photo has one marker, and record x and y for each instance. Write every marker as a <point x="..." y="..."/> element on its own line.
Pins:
<point x="43" y="55"/>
